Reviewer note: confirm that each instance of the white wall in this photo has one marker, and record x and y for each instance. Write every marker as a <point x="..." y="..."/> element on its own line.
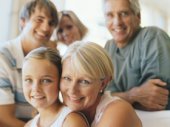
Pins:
<point x="5" y="19"/>
<point x="59" y="4"/>
<point x="152" y="16"/>
<point x="9" y="13"/>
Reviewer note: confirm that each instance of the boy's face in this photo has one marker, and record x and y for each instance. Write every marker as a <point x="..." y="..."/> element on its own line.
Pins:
<point x="38" y="29"/>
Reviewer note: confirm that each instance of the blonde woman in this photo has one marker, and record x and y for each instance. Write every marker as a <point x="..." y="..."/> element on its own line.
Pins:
<point x="87" y="69"/>
<point x="70" y="28"/>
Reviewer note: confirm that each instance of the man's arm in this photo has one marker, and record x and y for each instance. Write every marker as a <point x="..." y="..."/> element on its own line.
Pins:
<point x="7" y="117"/>
<point x="150" y="96"/>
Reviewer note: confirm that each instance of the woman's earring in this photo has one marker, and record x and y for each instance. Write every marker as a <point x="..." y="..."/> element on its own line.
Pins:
<point x="101" y="92"/>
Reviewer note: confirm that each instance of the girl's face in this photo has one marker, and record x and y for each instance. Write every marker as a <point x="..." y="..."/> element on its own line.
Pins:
<point x="79" y="92"/>
<point x="40" y="83"/>
<point x="68" y="32"/>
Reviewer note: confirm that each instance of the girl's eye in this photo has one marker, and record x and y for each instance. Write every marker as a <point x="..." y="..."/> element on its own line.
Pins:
<point x="27" y="81"/>
<point x="46" y="81"/>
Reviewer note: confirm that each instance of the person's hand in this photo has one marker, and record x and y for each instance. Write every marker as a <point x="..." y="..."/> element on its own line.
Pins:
<point x="152" y="95"/>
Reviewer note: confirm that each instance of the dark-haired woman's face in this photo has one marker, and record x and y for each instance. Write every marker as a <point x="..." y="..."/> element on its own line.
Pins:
<point x="68" y="32"/>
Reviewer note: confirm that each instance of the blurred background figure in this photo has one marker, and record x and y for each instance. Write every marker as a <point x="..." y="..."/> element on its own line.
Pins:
<point x="70" y="28"/>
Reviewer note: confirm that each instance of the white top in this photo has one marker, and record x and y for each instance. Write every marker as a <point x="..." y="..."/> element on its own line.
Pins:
<point x="105" y="100"/>
<point x="58" y="122"/>
<point x="11" y="92"/>
<point x="61" y="48"/>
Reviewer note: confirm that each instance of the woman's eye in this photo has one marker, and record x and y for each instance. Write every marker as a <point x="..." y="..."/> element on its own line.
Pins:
<point x="66" y="78"/>
<point x="60" y="30"/>
<point x="85" y="82"/>
<point x="69" y="27"/>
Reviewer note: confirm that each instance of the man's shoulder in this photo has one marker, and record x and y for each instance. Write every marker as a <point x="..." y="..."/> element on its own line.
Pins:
<point x="151" y="31"/>
<point x="7" y="51"/>
<point x="110" y="43"/>
<point x="10" y="43"/>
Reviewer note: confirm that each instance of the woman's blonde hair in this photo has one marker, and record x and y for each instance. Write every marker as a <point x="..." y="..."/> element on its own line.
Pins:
<point x="90" y="59"/>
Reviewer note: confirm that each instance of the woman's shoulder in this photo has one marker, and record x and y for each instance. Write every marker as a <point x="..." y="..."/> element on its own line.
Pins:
<point x="119" y="104"/>
<point x="121" y="113"/>
<point x="75" y="119"/>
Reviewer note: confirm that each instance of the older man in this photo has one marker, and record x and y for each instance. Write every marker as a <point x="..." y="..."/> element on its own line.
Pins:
<point x="141" y="57"/>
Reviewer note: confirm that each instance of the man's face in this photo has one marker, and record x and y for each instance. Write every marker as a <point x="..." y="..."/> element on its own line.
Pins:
<point x="38" y="29"/>
<point x="121" y="21"/>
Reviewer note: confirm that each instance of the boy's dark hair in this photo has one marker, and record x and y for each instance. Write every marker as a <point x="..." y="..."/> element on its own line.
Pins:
<point x="30" y="6"/>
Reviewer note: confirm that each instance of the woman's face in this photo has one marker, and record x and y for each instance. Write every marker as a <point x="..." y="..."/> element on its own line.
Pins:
<point x="68" y="32"/>
<point x="79" y="92"/>
<point x="40" y="83"/>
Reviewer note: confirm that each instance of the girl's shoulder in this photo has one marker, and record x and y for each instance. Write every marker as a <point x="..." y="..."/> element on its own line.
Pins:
<point x="29" y="123"/>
